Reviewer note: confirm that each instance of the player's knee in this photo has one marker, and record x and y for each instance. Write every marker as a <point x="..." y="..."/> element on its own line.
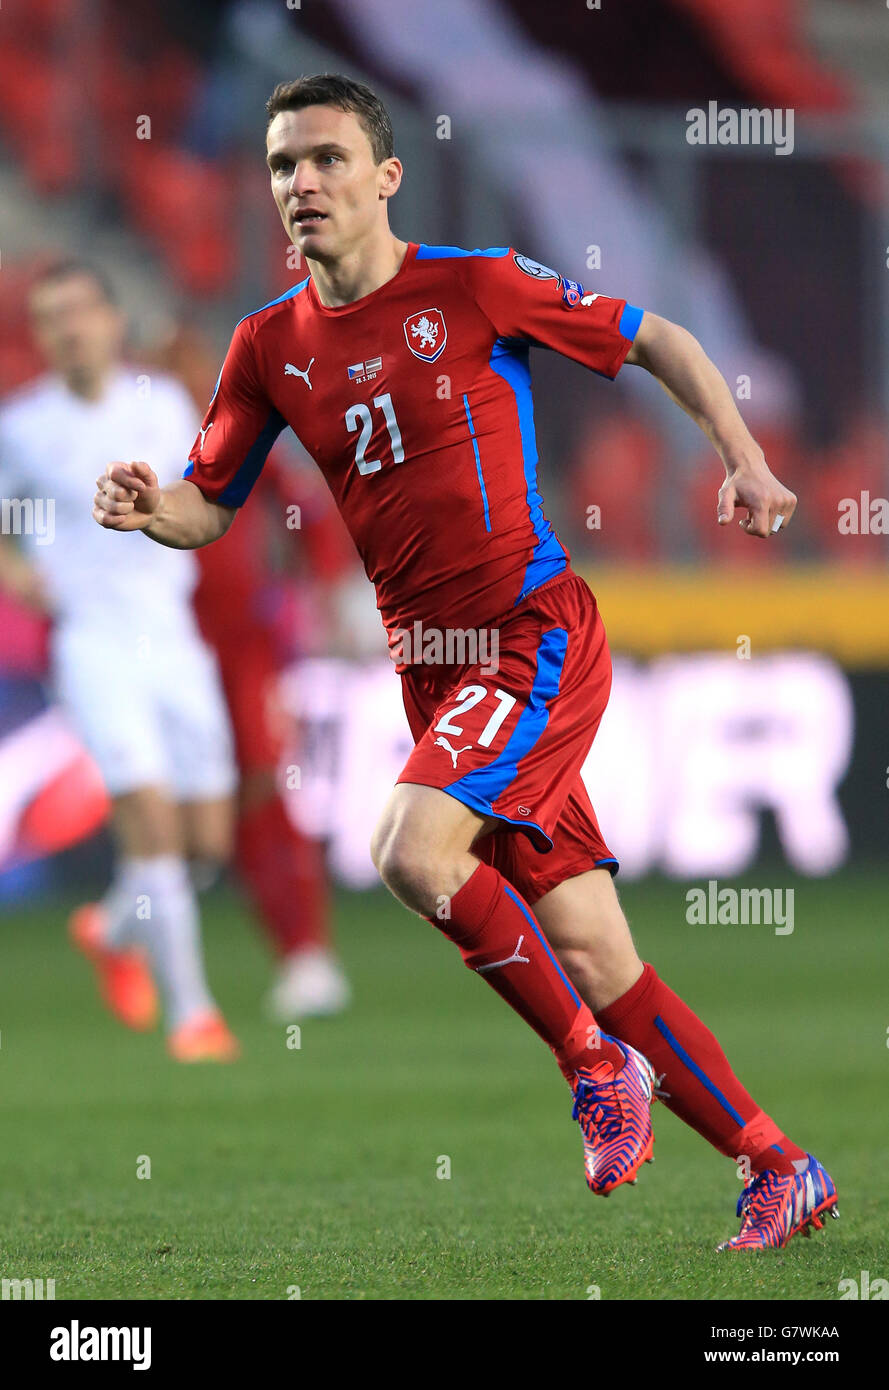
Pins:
<point x="603" y="970"/>
<point x="378" y="842"/>
<point x="406" y="865"/>
<point x="146" y="823"/>
<point x="399" y="864"/>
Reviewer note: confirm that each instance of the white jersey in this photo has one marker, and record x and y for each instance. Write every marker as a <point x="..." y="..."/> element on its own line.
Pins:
<point x="128" y="660"/>
<point x="53" y="447"/>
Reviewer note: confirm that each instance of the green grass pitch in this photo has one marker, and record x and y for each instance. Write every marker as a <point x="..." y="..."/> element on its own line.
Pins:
<point x="316" y="1168"/>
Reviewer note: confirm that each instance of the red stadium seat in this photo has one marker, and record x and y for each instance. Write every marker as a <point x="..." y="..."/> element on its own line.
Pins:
<point x="854" y="467"/>
<point x="32" y="93"/>
<point x="615" y="469"/>
<point x="764" y="43"/>
<point x="19" y="358"/>
<point x="186" y="206"/>
<point x="36" y="24"/>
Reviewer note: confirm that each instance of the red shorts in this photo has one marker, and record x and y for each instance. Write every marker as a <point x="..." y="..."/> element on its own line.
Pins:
<point x="510" y="743"/>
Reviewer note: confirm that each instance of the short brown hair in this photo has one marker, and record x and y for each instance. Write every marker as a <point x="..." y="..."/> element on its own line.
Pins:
<point x="70" y="267"/>
<point x="332" y="89"/>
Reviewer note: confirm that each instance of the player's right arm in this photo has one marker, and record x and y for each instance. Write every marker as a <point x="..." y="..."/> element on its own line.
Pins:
<point x="178" y="515"/>
<point x="239" y="428"/>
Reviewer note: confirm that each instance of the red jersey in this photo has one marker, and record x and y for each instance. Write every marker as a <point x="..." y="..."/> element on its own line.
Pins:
<point x="415" y="403"/>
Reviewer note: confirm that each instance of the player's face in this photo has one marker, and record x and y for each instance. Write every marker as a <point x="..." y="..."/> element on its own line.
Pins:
<point x="76" y="329"/>
<point x="328" y="190"/>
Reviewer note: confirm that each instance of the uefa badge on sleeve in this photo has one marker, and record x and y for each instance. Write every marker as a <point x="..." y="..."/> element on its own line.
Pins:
<point x="535" y="269"/>
<point x="572" y="293"/>
<point x="426" y="334"/>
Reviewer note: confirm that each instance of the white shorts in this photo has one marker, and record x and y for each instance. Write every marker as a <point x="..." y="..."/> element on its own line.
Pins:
<point x="150" y="710"/>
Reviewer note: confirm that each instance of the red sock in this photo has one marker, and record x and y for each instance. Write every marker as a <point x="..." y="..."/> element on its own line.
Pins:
<point x="496" y="934"/>
<point x="283" y="871"/>
<point x="695" y="1080"/>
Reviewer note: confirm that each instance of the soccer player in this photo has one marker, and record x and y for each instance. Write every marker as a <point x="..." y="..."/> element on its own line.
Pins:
<point x="403" y="369"/>
<point x="129" y="664"/>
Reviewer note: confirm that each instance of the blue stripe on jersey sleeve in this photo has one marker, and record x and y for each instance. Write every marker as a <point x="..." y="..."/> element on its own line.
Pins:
<point x="509" y="359"/>
<point x="288" y="294"/>
<point x="238" y="490"/>
<point x="443" y="253"/>
<point x="630" y="320"/>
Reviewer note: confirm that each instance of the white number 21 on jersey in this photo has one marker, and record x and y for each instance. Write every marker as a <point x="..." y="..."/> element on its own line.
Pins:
<point x="358" y="416"/>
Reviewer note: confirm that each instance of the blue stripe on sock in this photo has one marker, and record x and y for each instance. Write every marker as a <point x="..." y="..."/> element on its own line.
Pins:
<point x="544" y="943"/>
<point x="693" y="1067"/>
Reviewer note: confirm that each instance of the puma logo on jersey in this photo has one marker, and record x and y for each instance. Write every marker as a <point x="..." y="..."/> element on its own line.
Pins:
<point x="202" y="431"/>
<point x="514" y="959"/>
<point x="290" y="370"/>
<point x="441" y="742"/>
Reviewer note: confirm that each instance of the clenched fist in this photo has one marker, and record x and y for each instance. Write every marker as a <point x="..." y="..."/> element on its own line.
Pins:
<point x="769" y="504"/>
<point x="128" y="497"/>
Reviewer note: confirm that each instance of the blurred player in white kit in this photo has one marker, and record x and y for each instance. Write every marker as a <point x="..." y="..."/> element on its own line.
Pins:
<point x="145" y="697"/>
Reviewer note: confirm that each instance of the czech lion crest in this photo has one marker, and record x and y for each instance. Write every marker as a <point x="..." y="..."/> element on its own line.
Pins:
<point x="426" y="334"/>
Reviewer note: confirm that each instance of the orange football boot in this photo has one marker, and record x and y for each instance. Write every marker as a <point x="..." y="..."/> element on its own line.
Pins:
<point x="125" y="982"/>
<point x="205" y="1037"/>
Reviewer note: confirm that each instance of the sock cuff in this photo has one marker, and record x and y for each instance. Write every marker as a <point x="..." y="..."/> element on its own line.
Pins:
<point x="610" y="1017"/>
<point x="471" y="906"/>
<point x="759" y="1133"/>
<point x="158" y="870"/>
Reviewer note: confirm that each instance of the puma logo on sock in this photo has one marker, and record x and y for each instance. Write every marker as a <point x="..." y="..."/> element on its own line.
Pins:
<point x="514" y="959"/>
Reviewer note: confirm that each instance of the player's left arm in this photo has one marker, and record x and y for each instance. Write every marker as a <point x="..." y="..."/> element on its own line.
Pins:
<point x="678" y="362"/>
